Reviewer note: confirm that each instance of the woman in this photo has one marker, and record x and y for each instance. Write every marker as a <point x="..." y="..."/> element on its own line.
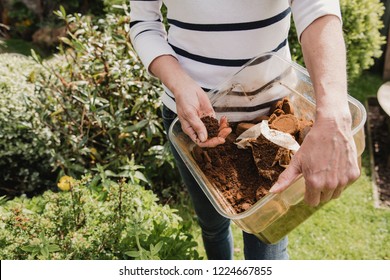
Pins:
<point x="206" y="43"/>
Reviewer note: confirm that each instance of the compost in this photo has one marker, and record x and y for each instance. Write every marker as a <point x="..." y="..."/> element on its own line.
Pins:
<point x="243" y="176"/>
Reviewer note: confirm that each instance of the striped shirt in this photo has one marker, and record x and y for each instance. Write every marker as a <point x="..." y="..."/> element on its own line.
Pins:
<point x="212" y="39"/>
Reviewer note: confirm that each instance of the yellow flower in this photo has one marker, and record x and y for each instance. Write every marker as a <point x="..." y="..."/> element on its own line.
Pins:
<point x="65" y="183"/>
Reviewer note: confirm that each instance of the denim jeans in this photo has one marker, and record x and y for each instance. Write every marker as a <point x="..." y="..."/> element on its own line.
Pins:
<point x="216" y="231"/>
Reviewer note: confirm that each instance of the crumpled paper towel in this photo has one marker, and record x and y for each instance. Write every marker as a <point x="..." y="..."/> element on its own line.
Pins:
<point x="277" y="137"/>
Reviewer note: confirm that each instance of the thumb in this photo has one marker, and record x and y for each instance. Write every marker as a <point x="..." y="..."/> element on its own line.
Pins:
<point x="287" y="177"/>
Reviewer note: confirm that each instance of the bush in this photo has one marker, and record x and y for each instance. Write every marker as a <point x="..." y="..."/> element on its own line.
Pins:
<point x="362" y="24"/>
<point x="25" y="18"/>
<point x="24" y="157"/>
<point x="101" y="104"/>
<point x="23" y="21"/>
<point x="121" y="221"/>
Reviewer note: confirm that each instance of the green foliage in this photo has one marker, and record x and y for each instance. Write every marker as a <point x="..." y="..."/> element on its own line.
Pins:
<point x="119" y="221"/>
<point x="24" y="157"/>
<point x="20" y="46"/>
<point x="23" y="21"/>
<point x="100" y="103"/>
<point x="113" y="5"/>
<point x="362" y="25"/>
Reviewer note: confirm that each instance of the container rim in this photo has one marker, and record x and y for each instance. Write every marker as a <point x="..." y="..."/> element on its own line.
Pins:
<point x="350" y="98"/>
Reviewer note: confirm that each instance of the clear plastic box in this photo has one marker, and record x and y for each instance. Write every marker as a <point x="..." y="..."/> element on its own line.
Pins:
<point x="265" y="78"/>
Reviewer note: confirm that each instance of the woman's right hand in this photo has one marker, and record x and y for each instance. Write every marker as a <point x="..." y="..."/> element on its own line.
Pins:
<point x="192" y="103"/>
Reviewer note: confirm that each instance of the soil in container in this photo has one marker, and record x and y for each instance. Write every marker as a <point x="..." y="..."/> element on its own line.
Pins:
<point x="244" y="176"/>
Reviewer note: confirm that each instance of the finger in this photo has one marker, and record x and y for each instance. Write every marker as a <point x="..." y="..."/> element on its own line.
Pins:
<point x="287" y="177"/>
<point x="209" y="113"/>
<point x="199" y="128"/>
<point x="211" y="143"/>
<point x="192" y="126"/>
<point x="312" y="196"/>
<point x="326" y="196"/>
<point x="331" y="187"/>
<point x="224" y="128"/>
<point x="187" y="129"/>
<point x="223" y="123"/>
<point x="337" y="192"/>
<point x="224" y="132"/>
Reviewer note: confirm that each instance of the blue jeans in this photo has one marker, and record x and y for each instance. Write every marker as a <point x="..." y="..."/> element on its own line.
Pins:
<point x="216" y="230"/>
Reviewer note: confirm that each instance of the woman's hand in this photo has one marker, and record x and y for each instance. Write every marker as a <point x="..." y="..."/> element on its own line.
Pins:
<point x="192" y="103"/>
<point x="327" y="160"/>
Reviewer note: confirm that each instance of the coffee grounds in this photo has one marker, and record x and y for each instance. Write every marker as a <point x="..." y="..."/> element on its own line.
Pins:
<point x="212" y="126"/>
<point x="244" y="176"/>
<point x="287" y="123"/>
<point x="234" y="172"/>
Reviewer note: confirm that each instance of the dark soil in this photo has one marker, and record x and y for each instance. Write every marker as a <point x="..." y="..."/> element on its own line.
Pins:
<point x="244" y="176"/>
<point x="212" y="126"/>
<point x="234" y="173"/>
<point x="379" y="134"/>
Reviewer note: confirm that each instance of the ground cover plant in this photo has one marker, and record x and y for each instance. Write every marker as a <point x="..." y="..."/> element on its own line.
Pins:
<point x="119" y="221"/>
<point x="24" y="156"/>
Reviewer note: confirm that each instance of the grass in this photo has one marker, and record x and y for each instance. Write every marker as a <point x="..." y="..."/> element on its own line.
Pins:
<point x="346" y="228"/>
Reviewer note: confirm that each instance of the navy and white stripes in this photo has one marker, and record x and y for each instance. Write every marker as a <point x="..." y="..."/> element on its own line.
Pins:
<point x="212" y="39"/>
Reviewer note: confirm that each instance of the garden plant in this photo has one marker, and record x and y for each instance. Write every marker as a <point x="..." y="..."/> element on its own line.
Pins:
<point x="85" y="126"/>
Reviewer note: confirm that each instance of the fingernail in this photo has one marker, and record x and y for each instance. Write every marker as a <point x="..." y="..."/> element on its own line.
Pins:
<point x="275" y="188"/>
<point x="202" y="137"/>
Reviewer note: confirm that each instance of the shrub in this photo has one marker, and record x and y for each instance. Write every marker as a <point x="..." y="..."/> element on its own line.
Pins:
<point x="101" y="104"/>
<point x="113" y="5"/>
<point x="23" y="21"/>
<point x="120" y="221"/>
<point x="24" y="157"/>
<point x="25" y="17"/>
<point x="362" y="24"/>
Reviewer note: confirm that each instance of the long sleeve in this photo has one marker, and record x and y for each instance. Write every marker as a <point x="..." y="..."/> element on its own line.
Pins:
<point x="147" y="32"/>
<point x="306" y="11"/>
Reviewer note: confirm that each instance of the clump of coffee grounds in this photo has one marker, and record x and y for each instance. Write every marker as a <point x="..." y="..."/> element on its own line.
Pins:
<point x="212" y="126"/>
<point x="244" y="176"/>
<point x="233" y="172"/>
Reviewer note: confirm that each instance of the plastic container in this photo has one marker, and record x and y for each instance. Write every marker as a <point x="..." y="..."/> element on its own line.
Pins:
<point x="263" y="79"/>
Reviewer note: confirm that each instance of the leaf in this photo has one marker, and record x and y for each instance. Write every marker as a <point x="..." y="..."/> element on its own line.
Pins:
<point x="30" y="248"/>
<point x="77" y="167"/>
<point x="94" y="182"/>
<point x="63" y="12"/>
<point x="36" y="57"/>
<point x="53" y="248"/>
<point x="155" y="249"/>
<point x="133" y="254"/>
<point x="136" y="126"/>
<point x="109" y="173"/>
<point x="137" y="105"/>
<point x="3" y="200"/>
<point x="45" y="252"/>
<point x="66" y="41"/>
<point x="80" y="99"/>
<point x="141" y="176"/>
